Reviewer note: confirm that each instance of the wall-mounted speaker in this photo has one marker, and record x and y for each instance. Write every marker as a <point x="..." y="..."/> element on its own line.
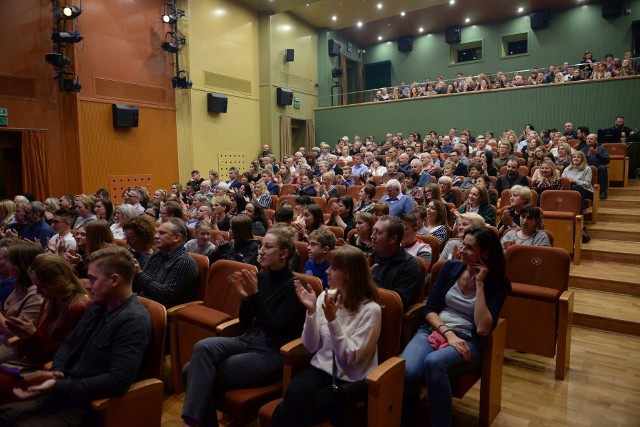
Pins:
<point x="336" y="73"/>
<point x="611" y="8"/>
<point x="288" y="55"/>
<point x="452" y="35"/>
<point x="405" y="44"/>
<point x="125" y="116"/>
<point x="635" y="38"/>
<point x="334" y="48"/>
<point x="284" y="96"/>
<point x="216" y="103"/>
<point x="539" y="19"/>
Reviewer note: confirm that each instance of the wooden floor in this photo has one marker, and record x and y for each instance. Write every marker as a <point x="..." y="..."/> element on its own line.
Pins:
<point x="602" y="387"/>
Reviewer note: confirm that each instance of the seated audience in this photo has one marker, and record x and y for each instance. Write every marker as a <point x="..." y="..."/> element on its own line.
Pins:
<point x="342" y="332"/>
<point x="461" y="311"/>
<point x="321" y="242"/>
<point x="271" y="312"/>
<point x="241" y="247"/>
<point x="113" y="335"/>
<point x="202" y="243"/>
<point x="139" y="233"/>
<point x="530" y="231"/>
<point x="170" y="276"/>
<point x="392" y="267"/>
<point x="398" y="203"/>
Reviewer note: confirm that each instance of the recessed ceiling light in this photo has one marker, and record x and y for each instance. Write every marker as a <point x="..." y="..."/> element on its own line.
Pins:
<point x="334" y="18"/>
<point x="379" y="5"/>
<point x="520" y="9"/>
<point x="402" y="13"/>
<point x="452" y="2"/>
<point x="379" y="37"/>
<point x="420" y="29"/>
<point x="467" y="20"/>
<point x="359" y="24"/>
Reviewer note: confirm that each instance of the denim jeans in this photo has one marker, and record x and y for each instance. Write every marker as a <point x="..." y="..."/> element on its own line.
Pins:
<point x="426" y="366"/>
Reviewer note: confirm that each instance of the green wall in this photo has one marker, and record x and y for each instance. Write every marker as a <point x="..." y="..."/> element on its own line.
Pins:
<point x="569" y="34"/>
<point x="591" y="103"/>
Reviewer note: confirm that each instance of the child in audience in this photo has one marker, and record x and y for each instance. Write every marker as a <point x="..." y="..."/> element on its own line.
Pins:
<point x="202" y="243"/>
<point x="321" y="242"/>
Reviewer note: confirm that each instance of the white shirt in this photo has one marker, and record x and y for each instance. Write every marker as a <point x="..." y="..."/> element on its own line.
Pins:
<point x="352" y="338"/>
<point x="68" y="239"/>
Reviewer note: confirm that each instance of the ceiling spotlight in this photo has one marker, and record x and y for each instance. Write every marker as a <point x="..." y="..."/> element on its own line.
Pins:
<point x="520" y="9"/>
<point x="69" y="37"/>
<point x="402" y="13"/>
<point x="71" y="85"/>
<point x="380" y="38"/>
<point x="334" y="18"/>
<point x="467" y="20"/>
<point x="421" y="29"/>
<point x="171" y="47"/>
<point x="359" y="24"/>
<point x="452" y="2"/>
<point x="379" y="6"/>
<point x="57" y="60"/>
<point x="181" y="80"/>
<point x="172" y="18"/>
<point x="70" y="12"/>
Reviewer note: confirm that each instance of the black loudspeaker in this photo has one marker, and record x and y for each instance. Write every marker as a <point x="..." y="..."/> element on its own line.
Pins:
<point x="285" y="96"/>
<point x="539" y="19"/>
<point x="216" y="103"/>
<point x="405" y="44"/>
<point x="452" y="35"/>
<point x="611" y="8"/>
<point x="635" y="38"/>
<point x="125" y="116"/>
<point x="336" y="73"/>
<point x="334" y="48"/>
<point x="288" y="55"/>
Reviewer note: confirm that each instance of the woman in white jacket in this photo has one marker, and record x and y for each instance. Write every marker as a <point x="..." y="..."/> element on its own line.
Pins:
<point x="342" y="327"/>
<point x="579" y="173"/>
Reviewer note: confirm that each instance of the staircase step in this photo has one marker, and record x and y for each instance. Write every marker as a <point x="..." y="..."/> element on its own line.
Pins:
<point x="620" y="202"/>
<point x="618" y="215"/>
<point x="625" y="231"/>
<point x="606" y="277"/>
<point x="612" y="251"/>
<point x="608" y="312"/>
<point x="625" y="191"/>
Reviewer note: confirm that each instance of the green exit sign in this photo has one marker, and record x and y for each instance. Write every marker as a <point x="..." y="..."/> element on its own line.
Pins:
<point x="4" y="121"/>
<point x="3" y="112"/>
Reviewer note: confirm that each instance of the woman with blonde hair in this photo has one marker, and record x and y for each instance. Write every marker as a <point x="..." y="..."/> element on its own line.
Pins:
<point x="122" y="214"/>
<point x="546" y="178"/>
<point x="364" y="227"/>
<point x="65" y="300"/>
<point x="7" y="211"/>
<point x="563" y="158"/>
<point x="341" y="328"/>
<point x="261" y="195"/>
<point x="580" y="175"/>
<point x="466" y="221"/>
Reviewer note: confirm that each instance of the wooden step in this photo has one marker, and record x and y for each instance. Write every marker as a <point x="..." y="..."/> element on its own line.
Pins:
<point x="606" y="277"/>
<point x="620" y="202"/>
<point x="612" y="251"/>
<point x="625" y="231"/>
<point x="625" y="191"/>
<point x="618" y="215"/>
<point x="606" y="311"/>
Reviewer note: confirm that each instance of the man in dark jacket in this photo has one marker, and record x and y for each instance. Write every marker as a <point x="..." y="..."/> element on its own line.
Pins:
<point x="99" y="359"/>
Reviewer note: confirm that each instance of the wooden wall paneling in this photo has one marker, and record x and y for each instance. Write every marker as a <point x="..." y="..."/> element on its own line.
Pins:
<point x="149" y="149"/>
<point x="118" y="184"/>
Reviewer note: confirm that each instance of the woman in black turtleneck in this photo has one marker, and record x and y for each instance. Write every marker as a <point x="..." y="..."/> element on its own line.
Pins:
<point x="273" y="316"/>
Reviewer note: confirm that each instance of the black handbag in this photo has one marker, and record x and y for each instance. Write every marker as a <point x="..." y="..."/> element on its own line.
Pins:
<point x="351" y="400"/>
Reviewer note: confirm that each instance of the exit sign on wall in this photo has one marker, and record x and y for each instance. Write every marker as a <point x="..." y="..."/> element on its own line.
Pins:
<point x="4" y="120"/>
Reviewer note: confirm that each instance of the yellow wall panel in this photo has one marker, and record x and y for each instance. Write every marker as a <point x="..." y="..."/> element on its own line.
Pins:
<point x="147" y="149"/>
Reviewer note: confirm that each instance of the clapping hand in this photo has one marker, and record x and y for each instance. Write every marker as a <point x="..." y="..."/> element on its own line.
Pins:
<point x="331" y="306"/>
<point x="306" y="296"/>
<point x="246" y="282"/>
<point x="72" y="257"/>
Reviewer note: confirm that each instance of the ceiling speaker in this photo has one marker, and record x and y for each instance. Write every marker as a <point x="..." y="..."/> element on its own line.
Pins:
<point x="452" y="35"/>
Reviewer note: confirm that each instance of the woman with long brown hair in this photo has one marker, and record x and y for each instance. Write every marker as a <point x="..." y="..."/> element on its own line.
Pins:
<point x="65" y="301"/>
<point x="342" y="327"/>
